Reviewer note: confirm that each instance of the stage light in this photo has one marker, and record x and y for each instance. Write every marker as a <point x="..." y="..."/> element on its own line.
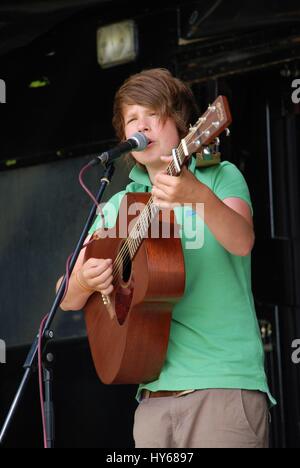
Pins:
<point x="117" y="44"/>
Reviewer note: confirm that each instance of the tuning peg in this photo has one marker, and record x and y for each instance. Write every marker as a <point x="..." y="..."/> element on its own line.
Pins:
<point x="217" y="141"/>
<point x="201" y="121"/>
<point x="227" y="132"/>
<point x="207" y="151"/>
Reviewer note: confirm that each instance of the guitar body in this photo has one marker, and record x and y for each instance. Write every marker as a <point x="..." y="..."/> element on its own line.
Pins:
<point x="128" y="338"/>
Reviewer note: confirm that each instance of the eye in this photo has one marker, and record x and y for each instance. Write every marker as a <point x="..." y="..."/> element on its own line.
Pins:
<point x="131" y="120"/>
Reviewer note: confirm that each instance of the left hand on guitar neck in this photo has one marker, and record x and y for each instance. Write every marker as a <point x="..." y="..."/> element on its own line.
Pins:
<point x="169" y="191"/>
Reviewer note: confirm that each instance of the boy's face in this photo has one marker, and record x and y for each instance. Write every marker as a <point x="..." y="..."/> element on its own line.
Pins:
<point x="163" y="136"/>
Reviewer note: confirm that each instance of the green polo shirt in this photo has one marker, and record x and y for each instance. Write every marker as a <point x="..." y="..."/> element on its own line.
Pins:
<point x="215" y="340"/>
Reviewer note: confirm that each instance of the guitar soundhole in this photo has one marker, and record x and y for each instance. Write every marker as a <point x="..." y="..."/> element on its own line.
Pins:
<point x="124" y="290"/>
<point x="127" y="264"/>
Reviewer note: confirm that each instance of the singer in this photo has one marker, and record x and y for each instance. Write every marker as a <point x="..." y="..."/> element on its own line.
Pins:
<point x="212" y="391"/>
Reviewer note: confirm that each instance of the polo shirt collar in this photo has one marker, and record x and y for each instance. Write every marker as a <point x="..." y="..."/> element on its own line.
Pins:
<point x="140" y="176"/>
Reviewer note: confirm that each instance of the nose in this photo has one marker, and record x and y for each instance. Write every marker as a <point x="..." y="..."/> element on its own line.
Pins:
<point x="143" y="125"/>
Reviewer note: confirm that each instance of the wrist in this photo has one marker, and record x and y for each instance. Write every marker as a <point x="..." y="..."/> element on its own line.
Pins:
<point x="82" y="283"/>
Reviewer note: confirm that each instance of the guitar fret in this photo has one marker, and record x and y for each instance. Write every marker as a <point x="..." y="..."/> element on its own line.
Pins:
<point x="180" y="152"/>
<point x="176" y="161"/>
<point x="184" y="147"/>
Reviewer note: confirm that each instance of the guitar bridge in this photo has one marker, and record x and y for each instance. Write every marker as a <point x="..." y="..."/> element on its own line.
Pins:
<point x="106" y="299"/>
<point x="109" y="307"/>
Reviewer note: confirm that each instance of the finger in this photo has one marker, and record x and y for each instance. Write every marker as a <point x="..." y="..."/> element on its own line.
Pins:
<point x="166" y="158"/>
<point x="159" y="193"/>
<point x="101" y="264"/>
<point x="164" y="204"/>
<point x="104" y="263"/>
<point x="105" y="284"/>
<point x="108" y="291"/>
<point x="164" y="180"/>
<point x="98" y="272"/>
<point x="104" y="276"/>
<point x="97" y="262"/>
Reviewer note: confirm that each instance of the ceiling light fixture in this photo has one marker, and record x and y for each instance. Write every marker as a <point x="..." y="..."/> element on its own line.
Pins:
<point x="117" y="44"/>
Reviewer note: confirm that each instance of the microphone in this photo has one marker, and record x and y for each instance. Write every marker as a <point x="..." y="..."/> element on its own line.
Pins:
<point x="137" y="142"/>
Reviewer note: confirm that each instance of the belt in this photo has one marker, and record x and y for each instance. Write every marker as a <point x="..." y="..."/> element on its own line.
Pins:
<point x="164" y="393"/>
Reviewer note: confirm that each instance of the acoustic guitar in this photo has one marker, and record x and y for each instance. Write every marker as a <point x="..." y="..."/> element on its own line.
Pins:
<point x="128" y="331"/>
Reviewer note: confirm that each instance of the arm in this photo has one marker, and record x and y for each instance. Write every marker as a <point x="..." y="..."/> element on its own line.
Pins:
<point x="230" y="221"/>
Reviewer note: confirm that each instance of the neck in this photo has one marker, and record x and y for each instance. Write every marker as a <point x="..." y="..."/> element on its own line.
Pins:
<point x="152" y="171"/>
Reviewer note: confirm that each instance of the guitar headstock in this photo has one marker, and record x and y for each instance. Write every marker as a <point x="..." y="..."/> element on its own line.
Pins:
<point x="209" y="126"/>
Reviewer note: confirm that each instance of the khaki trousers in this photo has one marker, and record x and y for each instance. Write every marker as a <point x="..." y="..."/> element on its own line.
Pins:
<point x="215" y="418"/>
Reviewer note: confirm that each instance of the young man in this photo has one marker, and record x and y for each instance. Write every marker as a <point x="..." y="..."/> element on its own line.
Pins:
<point x="212" y="389"/>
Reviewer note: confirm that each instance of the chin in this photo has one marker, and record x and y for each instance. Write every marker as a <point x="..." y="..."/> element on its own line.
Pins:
<point x="147" y="158"/>
<point x="155" y="163"/>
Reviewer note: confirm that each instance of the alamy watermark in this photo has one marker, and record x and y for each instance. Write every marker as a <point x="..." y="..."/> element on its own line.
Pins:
<point x="2" y="92"/>
<point x="296" y="93"/>
<point x="296" y="353"/>
<point x="190" y="221"/>
<point x="2" y="352"/>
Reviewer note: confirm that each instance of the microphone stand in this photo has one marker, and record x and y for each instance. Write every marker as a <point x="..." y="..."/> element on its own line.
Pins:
<point x="31" y="360"/>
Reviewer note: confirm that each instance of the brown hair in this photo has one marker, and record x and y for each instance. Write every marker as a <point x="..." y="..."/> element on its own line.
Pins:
<point x="159" y="90"/>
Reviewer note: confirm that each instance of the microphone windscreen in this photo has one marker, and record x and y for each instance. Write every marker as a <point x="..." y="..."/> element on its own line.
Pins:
<point x="141" y="140"/>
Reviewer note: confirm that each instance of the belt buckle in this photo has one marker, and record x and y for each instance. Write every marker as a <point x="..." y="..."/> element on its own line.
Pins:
<point x="145" y="394"/>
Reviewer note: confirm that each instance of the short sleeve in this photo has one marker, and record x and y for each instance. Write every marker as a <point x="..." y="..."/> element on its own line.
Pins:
<point x="110" y="211"/>
<point x="229" y="182"/>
